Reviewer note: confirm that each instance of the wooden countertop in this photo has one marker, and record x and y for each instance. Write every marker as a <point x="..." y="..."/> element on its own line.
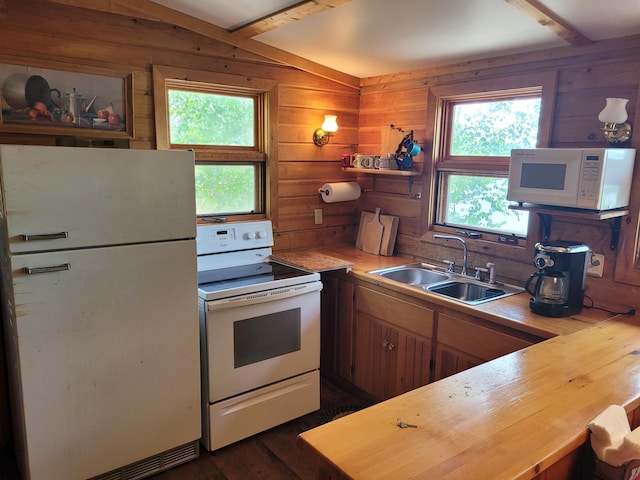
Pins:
<point x="510" y="418"/>
<point x="511" y="311"/>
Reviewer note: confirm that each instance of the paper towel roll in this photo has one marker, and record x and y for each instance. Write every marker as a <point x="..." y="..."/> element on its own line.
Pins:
<point x="340" y="192"/>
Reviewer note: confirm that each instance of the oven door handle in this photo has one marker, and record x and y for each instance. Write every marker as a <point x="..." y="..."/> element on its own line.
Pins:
<point x="264" y="296"/>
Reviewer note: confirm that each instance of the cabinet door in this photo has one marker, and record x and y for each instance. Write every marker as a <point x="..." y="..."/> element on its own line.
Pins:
<point x="371" y="355"/>
<point x="392" y="346"/>
<point x="413" y="364"/>
<point x="388" y="362"/>
<point x="449" y="362"/>
<point x="336" y="356"/>
<point x="462" y="344"/>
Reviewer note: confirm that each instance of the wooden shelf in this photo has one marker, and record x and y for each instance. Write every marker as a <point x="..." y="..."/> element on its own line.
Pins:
<point x="572" y="212"/>
<point x="546" y="214"/>
<point x="377" y="171"/>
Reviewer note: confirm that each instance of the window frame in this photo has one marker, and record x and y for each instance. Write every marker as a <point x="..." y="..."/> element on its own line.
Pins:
<point x="438" y="123"/>
<point x="264" y="152"/>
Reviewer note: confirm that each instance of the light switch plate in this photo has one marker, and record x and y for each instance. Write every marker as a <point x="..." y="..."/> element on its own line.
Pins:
<point x="317" y="213"/>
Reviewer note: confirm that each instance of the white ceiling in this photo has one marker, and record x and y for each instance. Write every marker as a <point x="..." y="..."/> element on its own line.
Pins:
<point x="366" y="38"/>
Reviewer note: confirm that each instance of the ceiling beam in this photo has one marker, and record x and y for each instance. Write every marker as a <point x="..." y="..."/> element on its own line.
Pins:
<point x="285" y="16"/>
<point x="552" y="21"/>
<point x="148" y="10"/>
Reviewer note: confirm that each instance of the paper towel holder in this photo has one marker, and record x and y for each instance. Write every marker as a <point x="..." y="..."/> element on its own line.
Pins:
<point x="326" y="191"/>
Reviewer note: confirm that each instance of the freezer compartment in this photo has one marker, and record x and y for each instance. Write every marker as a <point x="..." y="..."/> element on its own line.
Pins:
<point x="240" y="417"/>
<point x="107" y="367"/>
<point x="64" y="197"/>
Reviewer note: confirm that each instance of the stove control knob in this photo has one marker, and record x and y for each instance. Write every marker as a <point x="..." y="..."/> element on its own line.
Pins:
<point x="261" y="234"/>
<point x="249" y="235"/>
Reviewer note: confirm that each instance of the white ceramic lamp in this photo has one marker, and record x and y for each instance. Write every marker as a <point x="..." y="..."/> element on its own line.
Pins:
<point x="322" y="135"/>
<point x="614" y="116"/>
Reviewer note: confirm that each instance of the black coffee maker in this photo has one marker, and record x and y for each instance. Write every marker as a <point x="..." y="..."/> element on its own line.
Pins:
<point x="558" y="290"/>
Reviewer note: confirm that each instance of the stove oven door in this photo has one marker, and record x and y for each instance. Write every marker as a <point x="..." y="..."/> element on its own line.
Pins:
<point x="261" y="338"/>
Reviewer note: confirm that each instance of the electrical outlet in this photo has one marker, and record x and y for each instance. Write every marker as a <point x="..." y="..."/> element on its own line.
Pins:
<point x="317" y="213"/>
<point x="595" y="266"/>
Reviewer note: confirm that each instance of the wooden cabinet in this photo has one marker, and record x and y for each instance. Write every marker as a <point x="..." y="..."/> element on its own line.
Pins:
<point x="392" y="344"/>
<point x="464" y="343"/>
<point x="336" y="333"/>
<point x="387" y="344"/>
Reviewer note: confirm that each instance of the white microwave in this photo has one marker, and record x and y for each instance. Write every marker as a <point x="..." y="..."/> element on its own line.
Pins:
<point x="587" y="178"/>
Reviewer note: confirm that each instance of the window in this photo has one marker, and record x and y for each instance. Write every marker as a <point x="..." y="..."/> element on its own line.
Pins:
<point x="476" y="132"/>
<point x="224" y="119"/>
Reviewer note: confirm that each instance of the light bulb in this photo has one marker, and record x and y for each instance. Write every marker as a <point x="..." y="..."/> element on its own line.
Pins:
<point x="330" y="125"/>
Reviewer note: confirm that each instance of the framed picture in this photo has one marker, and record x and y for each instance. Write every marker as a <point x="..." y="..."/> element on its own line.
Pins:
<point x="48" y="101"/>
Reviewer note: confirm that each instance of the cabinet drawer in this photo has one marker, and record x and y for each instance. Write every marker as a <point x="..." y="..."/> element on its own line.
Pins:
<point x="477" y="340"/>
<point x="403" y="314"/>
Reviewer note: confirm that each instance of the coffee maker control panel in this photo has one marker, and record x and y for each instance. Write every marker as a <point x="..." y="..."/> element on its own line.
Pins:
<point x="543" y="261"/>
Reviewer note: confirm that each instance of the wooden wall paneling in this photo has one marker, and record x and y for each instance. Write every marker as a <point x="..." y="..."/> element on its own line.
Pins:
<point x="295" y="115"/>
<point x="319" y="98"/>
<point x="345" y="137"/>
<point x="314" y="238"/>
<point x="77" y="52"/>
<point x="153" y="11"/>
<point x="406" y="118"/>
<point x="552" y="58"/>
<point x="304" y="152"/>
<point x="399" y="98"/>
<point x="588" y="74"/>
<point x="627" y="268"/>
<point x="320" y="170"/>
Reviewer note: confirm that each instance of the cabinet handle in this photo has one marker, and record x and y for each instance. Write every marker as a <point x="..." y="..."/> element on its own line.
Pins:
<point x="388" y="345"/>
<point x="54" y="268"/>
<point x="44" y="236"/>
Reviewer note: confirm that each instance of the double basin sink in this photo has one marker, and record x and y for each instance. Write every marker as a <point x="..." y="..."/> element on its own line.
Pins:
<point x="448" y="284"/>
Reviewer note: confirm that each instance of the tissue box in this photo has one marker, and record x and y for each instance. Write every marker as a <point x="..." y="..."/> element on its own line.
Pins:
<point x="604" y="471"/>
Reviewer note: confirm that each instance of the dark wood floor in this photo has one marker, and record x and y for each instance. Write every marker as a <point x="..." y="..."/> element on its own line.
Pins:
<point x="271" y="455"/>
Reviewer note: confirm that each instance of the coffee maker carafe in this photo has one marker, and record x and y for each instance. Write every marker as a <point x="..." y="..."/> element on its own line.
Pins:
<point x="557" y="288"/>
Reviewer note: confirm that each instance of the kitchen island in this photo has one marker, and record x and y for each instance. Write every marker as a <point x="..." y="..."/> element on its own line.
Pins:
<point x="520" y="416"/>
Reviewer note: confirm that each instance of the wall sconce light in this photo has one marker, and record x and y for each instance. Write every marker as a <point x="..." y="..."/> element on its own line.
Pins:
<point x="322" y="135"/>
<point x="614" y="116"/>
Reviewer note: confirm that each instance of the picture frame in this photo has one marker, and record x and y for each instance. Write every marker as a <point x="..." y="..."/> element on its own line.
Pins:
<point x="51" y="100"/>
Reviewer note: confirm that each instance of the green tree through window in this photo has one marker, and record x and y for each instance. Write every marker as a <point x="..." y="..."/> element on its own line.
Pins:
<point x="488" y="129"/>
<point x="211" y="119"/>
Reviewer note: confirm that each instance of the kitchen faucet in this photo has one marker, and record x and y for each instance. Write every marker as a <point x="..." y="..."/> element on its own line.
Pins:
<point x="464" y="249"/>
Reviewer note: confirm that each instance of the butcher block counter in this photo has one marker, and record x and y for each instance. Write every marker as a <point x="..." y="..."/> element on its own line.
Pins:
<point x="520" y="416"/>
<point x="511" y="418"/>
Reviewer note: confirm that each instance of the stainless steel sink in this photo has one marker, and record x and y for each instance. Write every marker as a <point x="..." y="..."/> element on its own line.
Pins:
<point x="414" y="275"/>
<point x="470" y="292"/>
<point x="452" y="285"/>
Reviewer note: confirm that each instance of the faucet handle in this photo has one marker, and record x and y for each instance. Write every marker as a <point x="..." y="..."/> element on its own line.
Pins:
<point x="479" y="272"/>
<point x="492" y="272"/>
<point x="450" y="265"/>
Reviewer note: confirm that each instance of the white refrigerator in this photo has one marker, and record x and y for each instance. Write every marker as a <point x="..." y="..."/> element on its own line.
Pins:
<point x="100" y="310"/>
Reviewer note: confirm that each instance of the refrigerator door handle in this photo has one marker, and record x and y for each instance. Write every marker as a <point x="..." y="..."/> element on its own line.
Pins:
<point x="44" y="236"/>
<point x="54" y="268"/>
